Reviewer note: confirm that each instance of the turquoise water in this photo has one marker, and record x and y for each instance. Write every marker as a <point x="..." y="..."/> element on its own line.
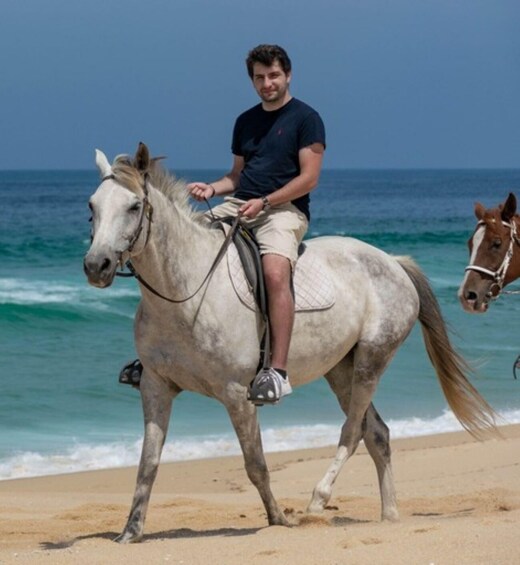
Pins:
<point x="63" y="342"/>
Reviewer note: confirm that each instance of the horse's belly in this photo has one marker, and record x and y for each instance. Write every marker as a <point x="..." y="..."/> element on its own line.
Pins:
<point x="321" y="340"/>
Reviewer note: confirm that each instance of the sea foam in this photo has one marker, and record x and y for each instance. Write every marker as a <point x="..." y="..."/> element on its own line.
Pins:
<point x="85" y="457"/>
<point x="31" y="292"/>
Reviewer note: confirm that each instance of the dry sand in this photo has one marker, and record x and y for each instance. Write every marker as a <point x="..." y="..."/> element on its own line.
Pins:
<point x="459" y="502"/>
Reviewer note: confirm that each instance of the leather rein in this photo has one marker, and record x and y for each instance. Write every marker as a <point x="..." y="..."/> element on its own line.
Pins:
<point x="147" y="211"/>
<point x="499" y="275"/>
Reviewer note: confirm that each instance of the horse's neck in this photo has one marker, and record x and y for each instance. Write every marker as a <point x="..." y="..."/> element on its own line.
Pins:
<point x="179" y="251"/>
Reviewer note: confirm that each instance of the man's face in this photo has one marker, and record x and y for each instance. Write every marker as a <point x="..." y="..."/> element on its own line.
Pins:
<point x="271" y="83"/>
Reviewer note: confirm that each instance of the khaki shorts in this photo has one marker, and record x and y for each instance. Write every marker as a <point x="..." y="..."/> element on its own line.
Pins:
<point x="279" y="230"/>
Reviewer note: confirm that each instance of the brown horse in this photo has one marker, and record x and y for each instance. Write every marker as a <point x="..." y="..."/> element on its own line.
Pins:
<point x="494" y="255"/>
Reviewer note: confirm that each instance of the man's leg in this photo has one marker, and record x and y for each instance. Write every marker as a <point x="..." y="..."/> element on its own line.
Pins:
<point x="277" y="274"/>
<point x="279" y="233"/>
<point x="272" y="383"/>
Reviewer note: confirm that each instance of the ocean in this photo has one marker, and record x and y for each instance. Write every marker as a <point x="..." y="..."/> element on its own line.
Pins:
<point x="62" y="342"/>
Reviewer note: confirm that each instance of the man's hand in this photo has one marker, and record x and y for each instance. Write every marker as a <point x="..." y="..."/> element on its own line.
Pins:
<point x="201" y="190"/>
<point x="252" y="208"/>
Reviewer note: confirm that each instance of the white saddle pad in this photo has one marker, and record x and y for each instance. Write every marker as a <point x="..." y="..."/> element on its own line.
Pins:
<point x="312" y="286"/>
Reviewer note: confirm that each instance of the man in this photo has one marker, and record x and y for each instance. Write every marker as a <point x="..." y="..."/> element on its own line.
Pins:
<point x="277" y="150"/>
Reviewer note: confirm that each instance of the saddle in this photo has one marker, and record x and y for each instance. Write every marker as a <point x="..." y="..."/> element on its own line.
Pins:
<point x="312" y="288"/>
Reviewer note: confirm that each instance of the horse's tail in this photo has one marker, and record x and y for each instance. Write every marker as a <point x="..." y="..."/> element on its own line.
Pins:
<point x="472" y="411"/>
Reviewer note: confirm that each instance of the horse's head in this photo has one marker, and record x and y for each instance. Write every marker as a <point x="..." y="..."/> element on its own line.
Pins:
<point x="120" y="208"/>
<point x="490" y="248"/>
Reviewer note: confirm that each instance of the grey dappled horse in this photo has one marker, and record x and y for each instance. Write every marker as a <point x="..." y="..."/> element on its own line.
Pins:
<point x="210" y="343"/>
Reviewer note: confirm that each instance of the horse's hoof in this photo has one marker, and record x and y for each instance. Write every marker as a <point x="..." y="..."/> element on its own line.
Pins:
<point x="320" y="497"/>
<point x="127" y="537"/>
<point x="390" y="516"/>
<point x="315" y="508"/>
<point x="280" y="521"/>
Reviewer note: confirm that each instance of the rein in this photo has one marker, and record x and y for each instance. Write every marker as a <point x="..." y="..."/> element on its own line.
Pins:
<point x="499" y="275"/>
<point x="148" y="211"/>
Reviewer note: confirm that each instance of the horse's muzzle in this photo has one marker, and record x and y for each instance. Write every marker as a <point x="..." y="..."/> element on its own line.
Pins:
<point x="472" y="303"/>
<point x="100" y="270"/>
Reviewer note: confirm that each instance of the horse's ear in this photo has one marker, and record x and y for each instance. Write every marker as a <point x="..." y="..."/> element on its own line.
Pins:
<point x="479" y="211"/>
<point x="509" y="208"/>
<point x="102" y="163"/>
<point x="142" y="158"/>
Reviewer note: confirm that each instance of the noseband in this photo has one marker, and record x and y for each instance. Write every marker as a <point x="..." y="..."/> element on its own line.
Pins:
<point x="499" y="275"/>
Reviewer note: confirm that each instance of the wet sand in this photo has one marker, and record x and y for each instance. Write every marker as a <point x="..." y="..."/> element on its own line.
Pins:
<point x="459" y="501"/>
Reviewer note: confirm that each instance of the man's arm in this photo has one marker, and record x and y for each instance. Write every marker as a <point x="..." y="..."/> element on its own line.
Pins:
<point x="310" y="158"/>
<point x="226" y="185"/>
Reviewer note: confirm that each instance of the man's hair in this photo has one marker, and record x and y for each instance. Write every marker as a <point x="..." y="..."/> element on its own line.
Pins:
<point x="267" y="55"/>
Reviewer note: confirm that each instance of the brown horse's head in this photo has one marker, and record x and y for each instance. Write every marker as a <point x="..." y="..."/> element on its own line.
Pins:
<point x="493" y="261"/>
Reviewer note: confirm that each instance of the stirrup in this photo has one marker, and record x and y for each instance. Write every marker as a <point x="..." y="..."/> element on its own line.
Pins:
<point x="131" y="373"/>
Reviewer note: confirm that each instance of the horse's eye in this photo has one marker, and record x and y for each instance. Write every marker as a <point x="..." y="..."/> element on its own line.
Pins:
<point x="496" y="243"/>
<point x="135" y="207"/>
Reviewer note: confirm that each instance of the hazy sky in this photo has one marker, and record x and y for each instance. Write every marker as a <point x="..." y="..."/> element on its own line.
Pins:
<point x="399" y="83"/>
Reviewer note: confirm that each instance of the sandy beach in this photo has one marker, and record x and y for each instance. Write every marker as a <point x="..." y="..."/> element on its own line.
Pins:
<point x="459" y="501"/>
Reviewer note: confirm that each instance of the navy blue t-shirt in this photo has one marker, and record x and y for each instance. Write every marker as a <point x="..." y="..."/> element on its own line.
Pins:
<point x="269" y="142"/>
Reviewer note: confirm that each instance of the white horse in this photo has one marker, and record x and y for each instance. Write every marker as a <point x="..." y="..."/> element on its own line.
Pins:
<point x="210" y="343"/>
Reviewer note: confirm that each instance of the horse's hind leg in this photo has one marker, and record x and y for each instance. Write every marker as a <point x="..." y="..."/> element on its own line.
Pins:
<point x="354" y="382"/>
<point x="377" y="442"/>
<point x="244" y="419"/>
<point x="340" y="381"/>
<point x="157" y="397"/>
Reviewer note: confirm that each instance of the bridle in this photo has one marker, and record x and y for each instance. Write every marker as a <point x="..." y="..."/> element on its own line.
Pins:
<point x="147" y="211"/>
<point x="499" y="275"/>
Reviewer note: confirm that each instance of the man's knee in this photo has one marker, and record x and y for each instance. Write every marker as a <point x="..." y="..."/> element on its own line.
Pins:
<point x="277" y="272"/>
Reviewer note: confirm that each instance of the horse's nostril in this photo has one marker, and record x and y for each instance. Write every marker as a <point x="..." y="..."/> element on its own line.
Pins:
<point x="106" y="264"/>
<point x="470" y="295"/>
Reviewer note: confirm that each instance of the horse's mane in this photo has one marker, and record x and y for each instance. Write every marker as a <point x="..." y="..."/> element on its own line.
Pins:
<point x="172" y="188"/>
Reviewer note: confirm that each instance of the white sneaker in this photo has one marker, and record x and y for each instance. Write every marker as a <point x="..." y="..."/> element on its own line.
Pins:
<point x="268" y="387"/>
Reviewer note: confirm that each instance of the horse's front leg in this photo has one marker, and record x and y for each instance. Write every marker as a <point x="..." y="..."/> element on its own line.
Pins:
<point x="157" y="397"/>
<point x="244" y="419"/>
